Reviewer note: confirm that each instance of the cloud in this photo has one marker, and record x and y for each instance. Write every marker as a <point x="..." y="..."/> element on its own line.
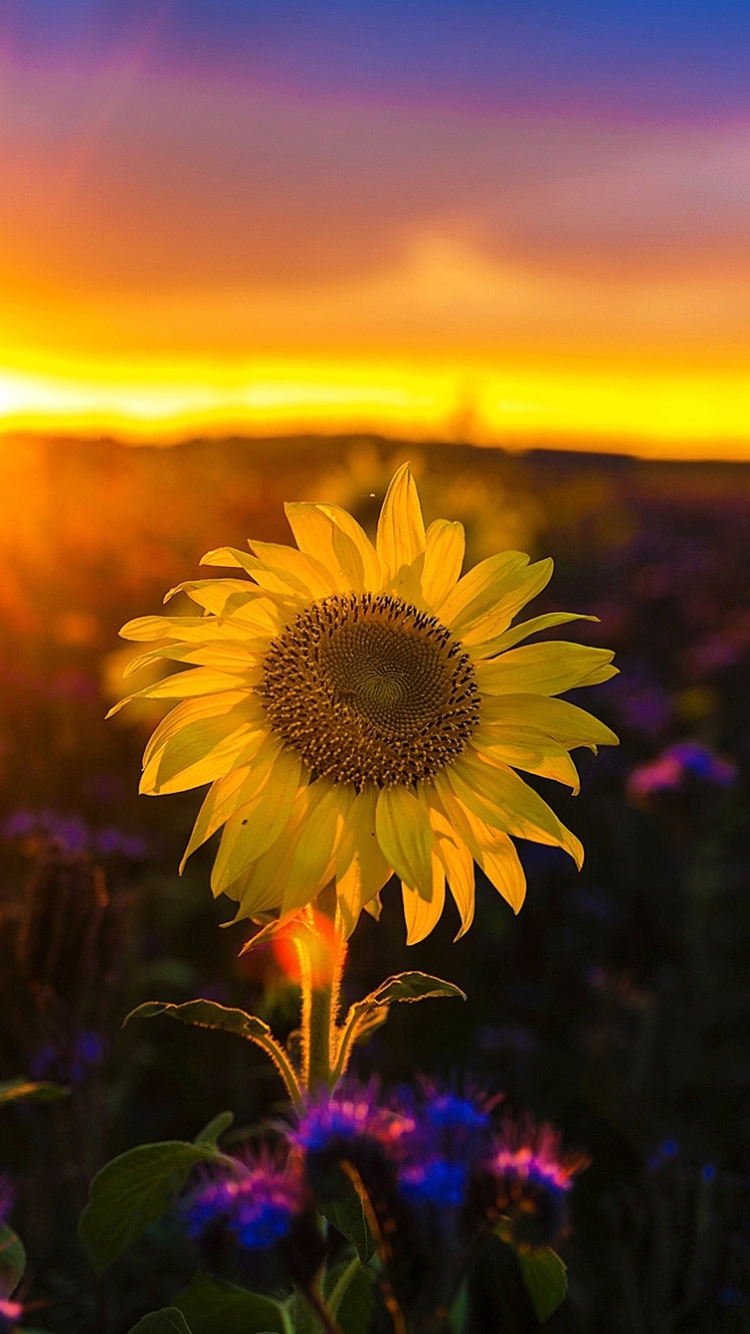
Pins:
<point x="155" y="213"/>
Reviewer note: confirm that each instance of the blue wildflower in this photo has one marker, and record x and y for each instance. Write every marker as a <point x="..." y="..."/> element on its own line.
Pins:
<point x="448" y="1133"/>
<point x="436" y="1181"/>
<point x="71" y="1067"/>
<point x="448" y="1111"/>
<point x="331" y="1125"/>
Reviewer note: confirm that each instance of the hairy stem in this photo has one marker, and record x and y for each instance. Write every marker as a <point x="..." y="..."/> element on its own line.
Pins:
<point x="321" y="949"/>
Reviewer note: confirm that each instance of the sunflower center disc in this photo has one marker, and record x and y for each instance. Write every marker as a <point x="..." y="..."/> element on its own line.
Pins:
<point x="368" y="688"/>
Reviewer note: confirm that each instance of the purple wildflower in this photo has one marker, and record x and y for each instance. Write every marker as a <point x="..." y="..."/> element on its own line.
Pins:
<point x="257" y="1206"/>
<point x="70" y="833"/>
<point x="524" y="1183"/>
<point x="330" y="1125"/>
<point x="261" y="1205"/>
<point x="10" y="1314"/>
<point x="71" y="1067"/>
<point x="113" y="841"/>
<point x="448" y="1134"/>
<point x="670" y="771"/>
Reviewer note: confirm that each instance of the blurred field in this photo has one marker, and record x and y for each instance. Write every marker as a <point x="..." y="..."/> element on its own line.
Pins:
<point x="617" y="1002"/>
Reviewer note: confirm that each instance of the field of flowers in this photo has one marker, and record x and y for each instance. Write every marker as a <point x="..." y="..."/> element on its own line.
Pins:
<point x="615" y="1006"/>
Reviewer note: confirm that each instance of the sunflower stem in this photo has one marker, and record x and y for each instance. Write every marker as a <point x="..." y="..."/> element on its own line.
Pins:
<point x="322" y="954"/>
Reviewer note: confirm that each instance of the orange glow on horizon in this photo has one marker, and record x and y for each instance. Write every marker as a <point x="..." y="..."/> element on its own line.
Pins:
<point x="676" y="413"/>
<point x="183" y="258"/>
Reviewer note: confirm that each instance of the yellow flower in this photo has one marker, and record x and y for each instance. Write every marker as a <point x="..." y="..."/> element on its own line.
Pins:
<point x="361" y="709"/>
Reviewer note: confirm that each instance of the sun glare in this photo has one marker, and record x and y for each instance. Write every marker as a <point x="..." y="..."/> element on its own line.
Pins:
<point x="669" y="414"/>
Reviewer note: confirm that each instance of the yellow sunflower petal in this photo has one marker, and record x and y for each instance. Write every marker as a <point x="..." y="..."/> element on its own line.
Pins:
<point x="189" y="628"/>
<point x="490" y="647"/>
<point x="504" y="870"/>
<point x="403" y="829"/>
<point x="478" y="591"/>
<point x="401" y="535"/>
<point x="228" y="656"/>
<point x="248" y="833"/>
<point x="262" y="886"/>
<point x="545" y="669"/>
<point x="306" y="574"/>
<point x="223" y="798"/>
<point x="263" y="616"/>
<point x="422" y="914"/>
<point x="407" y="584"/>
<point x="317" y="535"/>
<point x="230" y="558"/>
<point x="374" y="907"/>
<point x="445" y="544"/>
<point x="200" y="753"/>
<point x="182" y="685"/>
<point x="481" y="627"/>
<point x="535" y="753"/>
<point x="556" y="718"/>
<point x="371" y="568"/>
<point x="269" y="581"/>
<point x="219" y="596"/>
<point x="313" y="861"/>
<point x="493" y="851"/>
<point x="243" y="707"/>
<point x="496" y="794"/>
<point x="458" y="864"/>
<point x="361" y="868"/>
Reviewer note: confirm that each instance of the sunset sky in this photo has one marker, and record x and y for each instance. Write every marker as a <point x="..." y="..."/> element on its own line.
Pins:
<point x="518" y="223"/>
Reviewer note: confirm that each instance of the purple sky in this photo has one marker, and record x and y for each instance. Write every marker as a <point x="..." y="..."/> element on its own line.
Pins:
<point x="625" y="58"/>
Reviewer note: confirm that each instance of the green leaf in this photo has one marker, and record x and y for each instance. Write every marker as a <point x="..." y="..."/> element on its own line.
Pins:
<point x="208" y="1014"/>
<point x="24" y="1090"/>
<point x="411" y="987"/>
<point x="348" y="1215"/>
<point x="337" y="1280"/>
<point x="168" y="1321"/>
<point x="205" y="1014"/>
<point x="354" y="1312"/>
<point x="546" y="1278"/>
<point x="211" y="1305"/>
<point x="367" y="1014"/>
<point x="12" y="1261"/>
<point x="132" y="1191"/>
<point x="211" y="1133"/>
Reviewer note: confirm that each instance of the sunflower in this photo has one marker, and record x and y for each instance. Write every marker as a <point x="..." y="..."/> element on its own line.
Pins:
<point x="362" y="709"/>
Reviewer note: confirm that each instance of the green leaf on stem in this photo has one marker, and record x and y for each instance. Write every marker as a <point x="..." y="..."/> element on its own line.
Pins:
<point x="545" y="1276"/>
<point x="211" y="1133"/>
<point x="209" y="1014"/>
<point x="349" y="1291"/>
<point x="168" y="1321"/>
<point x="26" y="1090"/>
<point x="205" y="1014"/>
<point x="348" y="1215"/>
<point x="132" y="1191"/>
<point x="411" y="987"/>
<point x="12" y="1261"/>
<point x="210" y="1305"/>
<point x="368" y="1014"/>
